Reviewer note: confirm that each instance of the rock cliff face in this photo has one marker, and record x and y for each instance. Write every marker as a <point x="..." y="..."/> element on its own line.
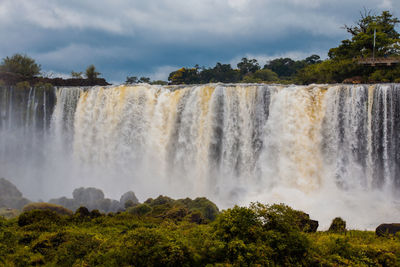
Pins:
<point x="10" y="196"/>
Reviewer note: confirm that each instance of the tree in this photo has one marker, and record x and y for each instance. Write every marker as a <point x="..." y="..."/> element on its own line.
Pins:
<point x="248" y="66"/>
<point x="313" y="59"/>
<point x="362" y="37"/>
<point x="144" y="80"/>
<point x="184" y="76"/>
<point x="265" y="75"/>
<point x="91" y="73"/>
<point x="76" y="75"/>
<point x="20" y="64"/>
<point x="131" y="80"/>
<point x="224" y="73"/>
<point x="284" y="67"/>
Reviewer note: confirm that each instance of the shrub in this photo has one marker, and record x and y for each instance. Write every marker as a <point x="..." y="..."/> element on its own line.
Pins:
<point x="91" y="73"/>
<point x="140" y="210"/>
<point x="338" y="225"/>
<point x="82" y="212"/>
<point x="176" y="213"/>
<point x="60" y="210"/>
<point x="23" y="85"/>
<point x="38" y="216"/>
<point x="21" y="64"/>
<point x="207" y="208"/>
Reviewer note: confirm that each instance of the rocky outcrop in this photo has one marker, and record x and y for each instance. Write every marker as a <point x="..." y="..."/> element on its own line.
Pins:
<point x="129" y="196"/>
<point x="306" y="224"/>
<point x="10" y="196"/>
<point x="94" y="199"/>
<point x="387" y="228"/>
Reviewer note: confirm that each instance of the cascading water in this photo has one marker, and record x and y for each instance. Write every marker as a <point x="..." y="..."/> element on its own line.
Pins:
<point x="328" y="150"/>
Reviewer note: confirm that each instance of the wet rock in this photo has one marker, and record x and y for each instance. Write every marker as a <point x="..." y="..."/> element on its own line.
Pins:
<point x="128" y="196"/>
<point x="10" y="196"/>
<point x="387" y="228"/>
<point x="8" y="189"/>
<point x="88" y="196"/>
<point x="306" y="224"/>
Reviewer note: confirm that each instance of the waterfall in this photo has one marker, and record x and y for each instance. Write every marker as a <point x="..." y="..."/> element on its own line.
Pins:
<point x="331" y="150"/>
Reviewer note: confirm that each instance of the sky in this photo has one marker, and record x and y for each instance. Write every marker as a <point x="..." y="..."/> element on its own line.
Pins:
<point x="154" y="37"/>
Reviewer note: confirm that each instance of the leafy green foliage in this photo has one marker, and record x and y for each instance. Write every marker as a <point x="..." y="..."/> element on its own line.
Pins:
<point x="91" y="73"/>
<point x="47" y="206"/>
<point x="131" y="80"/>
<point x="76" y="75"/>
<point x="247" y="66"/>
<point x="361" y="43"/>
<point x="264" y="235"/>
<point x="20" y="64"/>
<point x="260" y="76"/>
<point x="338" y="225"/>
<point x="140" y="210"/>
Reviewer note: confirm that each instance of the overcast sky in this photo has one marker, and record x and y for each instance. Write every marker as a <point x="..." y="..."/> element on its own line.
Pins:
<point x="154" y="37"/>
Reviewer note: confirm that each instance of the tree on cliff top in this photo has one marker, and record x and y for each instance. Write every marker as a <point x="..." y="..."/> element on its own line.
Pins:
<point x="362" y="37"/>
<point x="20" y="64"/>
<point x="91" y="73"/>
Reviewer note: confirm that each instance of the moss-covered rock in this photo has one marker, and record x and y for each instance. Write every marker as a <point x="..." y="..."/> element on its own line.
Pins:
<point x="338" y="225"/>
<point x="60" y="210"/>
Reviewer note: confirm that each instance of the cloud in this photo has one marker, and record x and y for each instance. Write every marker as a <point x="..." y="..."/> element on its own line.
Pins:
<point x="122" y="37"/>
<point x="386" y="4"/>
<point x="162" y="72"/>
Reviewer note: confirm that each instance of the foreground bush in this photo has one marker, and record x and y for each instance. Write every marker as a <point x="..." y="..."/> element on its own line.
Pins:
<point x="47" y="206"/>
<point x="258" y="235"/>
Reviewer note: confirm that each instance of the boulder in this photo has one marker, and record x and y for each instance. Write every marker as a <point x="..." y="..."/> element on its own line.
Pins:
<point x="305" y="223"/>
<point x="8" y="189"/>
<point x="88" y="196"/>
<point x="128" y="196"/>
<point x="69" y="203"/>
<point x="10" y="196"/>
<point x="387" y="228"/>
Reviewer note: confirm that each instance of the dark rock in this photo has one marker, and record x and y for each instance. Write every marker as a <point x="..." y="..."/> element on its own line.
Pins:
<point x="305" y="223"/>
<point x="387" y="228"/>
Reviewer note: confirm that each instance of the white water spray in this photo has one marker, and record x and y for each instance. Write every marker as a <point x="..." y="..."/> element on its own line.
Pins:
<point x="328" y="150"/>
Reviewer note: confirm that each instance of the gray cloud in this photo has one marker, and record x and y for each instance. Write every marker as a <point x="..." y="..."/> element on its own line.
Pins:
<point x="152" y="37"/>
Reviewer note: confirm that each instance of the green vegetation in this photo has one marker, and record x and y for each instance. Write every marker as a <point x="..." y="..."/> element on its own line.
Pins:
<point x="91" y="73"/>
<point x="161" y="232"/>
<point x="76" y="75"/>
<point x="60" y="210"/>
<point x="20" y="64"/>
<point x="341" y="66"/>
